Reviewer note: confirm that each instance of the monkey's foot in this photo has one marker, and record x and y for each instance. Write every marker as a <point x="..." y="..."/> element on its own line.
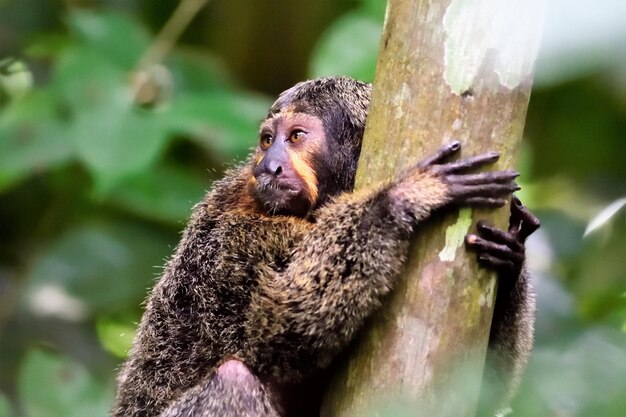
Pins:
<point x="500" y="250"/>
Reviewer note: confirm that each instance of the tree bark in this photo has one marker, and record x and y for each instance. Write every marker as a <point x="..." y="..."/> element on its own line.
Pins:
<point x="449" y="69"/>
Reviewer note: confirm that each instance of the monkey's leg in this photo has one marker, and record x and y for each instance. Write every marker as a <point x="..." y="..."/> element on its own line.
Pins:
<point x="231" y="391"/>
<point x="511" y="338"/>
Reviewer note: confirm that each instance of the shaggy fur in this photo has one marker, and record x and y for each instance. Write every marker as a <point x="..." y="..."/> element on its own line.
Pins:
<point x="281" y="294"/>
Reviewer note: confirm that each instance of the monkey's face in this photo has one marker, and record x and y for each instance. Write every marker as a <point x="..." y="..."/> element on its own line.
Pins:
<point x="284" y="179"/>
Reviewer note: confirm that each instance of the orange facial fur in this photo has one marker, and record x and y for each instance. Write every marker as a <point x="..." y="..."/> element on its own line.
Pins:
<point x="302" y="165"/>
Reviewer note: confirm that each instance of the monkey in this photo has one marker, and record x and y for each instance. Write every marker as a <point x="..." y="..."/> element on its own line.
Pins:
<point x="282" y="262"/>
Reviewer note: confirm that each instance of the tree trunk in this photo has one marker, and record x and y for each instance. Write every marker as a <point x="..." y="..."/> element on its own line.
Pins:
<point x="448" y="69"/>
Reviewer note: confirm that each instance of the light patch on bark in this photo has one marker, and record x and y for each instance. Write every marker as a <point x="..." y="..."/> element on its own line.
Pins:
<point x="386" y="16"/>
<point x="486" y="297"/>
<point x="417" y="332"/>
<point x="455" y="235"/>
<point x="510" y="29"/>
<point x="399" y="100"/>
<point x="449" y="276"/>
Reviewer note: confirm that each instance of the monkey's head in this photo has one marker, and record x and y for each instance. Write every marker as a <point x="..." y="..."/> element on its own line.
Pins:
<point x="309" y="146"/>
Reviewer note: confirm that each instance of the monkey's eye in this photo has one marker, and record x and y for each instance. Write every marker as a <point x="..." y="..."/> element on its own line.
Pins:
<point x="296" y="136"/>
<point x="266" y="140"/>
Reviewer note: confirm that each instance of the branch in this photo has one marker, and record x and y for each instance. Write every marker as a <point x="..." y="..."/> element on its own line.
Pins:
<point x="447" y="70"/>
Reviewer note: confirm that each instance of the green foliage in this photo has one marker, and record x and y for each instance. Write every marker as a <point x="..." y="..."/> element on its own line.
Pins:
<point x="106" y="263"/>
<point x="374" y="8"/>
<point x="113" y="137"/>
<point x="115" y="337"/>
<point x="16" y="80"/>
<point x="5" y="406"/>
<point x="164" y="194"/>
<point x="584" y="378"/>
<point x="88" y="113"/>
<point x="219" y="121"/>
<point x="51" y="386"/>
<point x="26" y="147"/>
<point x="350" y="47"/>
<point x="113" y="36"/>
<point x="112" y="184"/>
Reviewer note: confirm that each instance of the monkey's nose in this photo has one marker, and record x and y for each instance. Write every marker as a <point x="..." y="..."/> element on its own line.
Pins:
<point x="274" y="168"/>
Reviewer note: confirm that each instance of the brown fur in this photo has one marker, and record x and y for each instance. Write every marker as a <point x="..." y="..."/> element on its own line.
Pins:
<point x="282" y="294"/>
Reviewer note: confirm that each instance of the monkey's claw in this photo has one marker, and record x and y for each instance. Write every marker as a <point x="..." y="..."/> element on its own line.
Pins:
<point x="522" y="223"/>
<point x="441" y="155"/>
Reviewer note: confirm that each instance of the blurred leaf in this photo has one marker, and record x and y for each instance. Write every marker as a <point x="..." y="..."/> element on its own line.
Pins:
<point x="555" y="317"/>
<point x="565" y="233"/>
<point x="51" y="386"/>
<point x="119" y="143"/>
<point x="16" y="79"/>
<point x="166" y="194"/>
<point x="349" y="47"/>
<point x="112" y="136"/>
<point x="605" y="215"/>
<point x="587" y="377"/>
<point x="583" y="139"/>
<point x="375" y="8"/>
<point x="222" y="122"/>
<point x="111" y="35"/>
<point x="195" y="71"/>
<point x="116" y="337"/>
<point x="109" y="265"/>
<point x="597" y="275"/>
<point x="31" y="138"/>
<point x="46" y="45"/>
<point x="5" y="406"/>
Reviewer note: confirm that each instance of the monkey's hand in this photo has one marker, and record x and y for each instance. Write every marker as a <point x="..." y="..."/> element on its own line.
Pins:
<point x="484" y="188"/>
<point x="504" y="251"/>
<point x="434" y="183"/>
<point x="511" y="338"/>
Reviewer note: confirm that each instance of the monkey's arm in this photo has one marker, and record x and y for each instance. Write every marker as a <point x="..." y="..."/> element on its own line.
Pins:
<point x="350" y="259"/>
<point x="511" y="338"/>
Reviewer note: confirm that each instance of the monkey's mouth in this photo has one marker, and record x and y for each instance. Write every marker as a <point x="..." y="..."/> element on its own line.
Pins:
<point x="278" y="187"/>
<point x="281" y="197"/>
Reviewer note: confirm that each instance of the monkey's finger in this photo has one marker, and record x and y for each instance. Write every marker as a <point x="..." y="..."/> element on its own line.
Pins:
<point x="515" y="219"/>
<point x="530" y="222"/>
<point x="483" y="177"/>
<point x="494" y="262"/>
<point x="494" y="234"/>
<point x="469" y="163"/>
<point x="441" y="154"/>
<point x="461" y="191"/>
<point x="502" y="252"/>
